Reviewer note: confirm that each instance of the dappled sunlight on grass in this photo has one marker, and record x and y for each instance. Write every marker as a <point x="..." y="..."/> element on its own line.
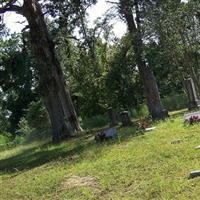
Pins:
<point x="134" y="166"/>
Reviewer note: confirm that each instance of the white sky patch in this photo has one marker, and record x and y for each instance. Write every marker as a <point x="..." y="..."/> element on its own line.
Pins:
<point x="16" y="22"/>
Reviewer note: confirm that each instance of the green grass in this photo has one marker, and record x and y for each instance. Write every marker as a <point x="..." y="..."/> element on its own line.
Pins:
<point x="133" y="167"/>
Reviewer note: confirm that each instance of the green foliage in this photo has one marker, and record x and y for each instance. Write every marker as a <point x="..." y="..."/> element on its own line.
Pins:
<point x="175" y="102"/>
<point x="4" y="139"/>
<point x="122" y="81"/>
<point x="19" y="139"/>
<point x="17" y="80"/>
<point x="87" y="87"/>
<point x="140" y="112"/>
<point x="24" y="128"/>
<point x="37" y="116"/>
<point x="95" y="122"/>
<point x="176" y="28"/>
<point x="35" y="124"/>
<point x="4" y="121"/>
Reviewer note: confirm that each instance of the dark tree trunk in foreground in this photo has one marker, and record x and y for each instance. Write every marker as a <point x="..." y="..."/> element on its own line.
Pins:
<point x="55" y="93"/>
<point x="54" y="90"/>
<point x="146" y="74"/>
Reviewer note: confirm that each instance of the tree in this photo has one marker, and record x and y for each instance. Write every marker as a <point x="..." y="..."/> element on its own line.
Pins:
<point x="55" y="93"/>
<point x="176" y="27"/>
<point x="17" y="79"/>
<point x="84" y="59"/>
<point x="122" y="78"/>
<point x="133" y="21"/>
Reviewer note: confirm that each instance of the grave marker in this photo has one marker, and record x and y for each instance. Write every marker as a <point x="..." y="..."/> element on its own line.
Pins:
<point x="191" y="93"/>
<point x="112" y="116"/>
<point x="125" y="119"/>
<point x="194" y="174"/>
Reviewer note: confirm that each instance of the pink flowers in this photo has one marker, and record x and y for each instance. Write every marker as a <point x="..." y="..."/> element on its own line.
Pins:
<point x="193" y="119"/>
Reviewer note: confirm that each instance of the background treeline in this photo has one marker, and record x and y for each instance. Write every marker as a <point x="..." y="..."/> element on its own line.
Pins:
<point x="100" y="69"/>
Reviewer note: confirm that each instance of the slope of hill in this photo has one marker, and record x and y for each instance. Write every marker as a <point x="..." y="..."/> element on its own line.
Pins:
<point x="135" y="166"/>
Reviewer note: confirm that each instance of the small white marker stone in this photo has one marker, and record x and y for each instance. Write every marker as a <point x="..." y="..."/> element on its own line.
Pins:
<point x="194" y="174"/>
<point x="150" y="129"/>
<point x="198" y="147"/>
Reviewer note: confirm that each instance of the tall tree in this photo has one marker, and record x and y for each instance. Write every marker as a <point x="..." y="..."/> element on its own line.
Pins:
<point x="130" y="10"/>
<point x="176" y="27"/>
<point x="84" y="60"/>
<point x="55" y="93"/>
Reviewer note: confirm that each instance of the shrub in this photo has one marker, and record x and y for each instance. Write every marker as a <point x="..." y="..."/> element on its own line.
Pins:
<point x="140" y="112"/>
<point x="24" y="127"/>
<point x="37" y="116"/>
<point x="35" y="124"/>
<point x="94" y="122"/>
<point x="175" y="102"/>
<point x="4" y="138"/>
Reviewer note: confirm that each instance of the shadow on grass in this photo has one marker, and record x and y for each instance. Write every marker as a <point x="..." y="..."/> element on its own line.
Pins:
<point x="76" y="147"/>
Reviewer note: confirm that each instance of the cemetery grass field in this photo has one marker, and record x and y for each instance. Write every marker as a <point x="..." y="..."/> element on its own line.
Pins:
<point x="154" y="165"/>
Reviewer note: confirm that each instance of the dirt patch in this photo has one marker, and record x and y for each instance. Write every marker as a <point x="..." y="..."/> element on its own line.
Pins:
<point x="77" y="181"/>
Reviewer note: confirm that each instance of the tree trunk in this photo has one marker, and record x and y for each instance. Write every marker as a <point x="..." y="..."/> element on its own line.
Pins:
<point x="55" y="94"/>
<point x="150" y="85"/>
<point x="146" y="75"/>
<point x="151" y="91"/>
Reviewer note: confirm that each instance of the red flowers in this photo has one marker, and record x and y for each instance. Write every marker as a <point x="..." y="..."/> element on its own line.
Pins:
<point x="193" y="119"/>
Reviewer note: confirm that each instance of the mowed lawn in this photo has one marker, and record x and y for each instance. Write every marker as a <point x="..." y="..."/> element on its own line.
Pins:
<point x="155" y="165"/>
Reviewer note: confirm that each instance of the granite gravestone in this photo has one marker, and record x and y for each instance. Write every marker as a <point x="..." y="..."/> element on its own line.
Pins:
<point x="125" y="119"/>
<point x="103" y="135"/>
<point x="112" y="116"/>
<point x="193" y="101"/>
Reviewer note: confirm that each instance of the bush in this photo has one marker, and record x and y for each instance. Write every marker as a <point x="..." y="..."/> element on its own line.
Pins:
<point x="4" y="139"/>
<point x="18" y="140"/>
<point x="94" y="122"/>
<point x="37" y="116"/>
<point x="24" y="127"/>
<point x="35" y="124"/>
<point x="171" y="103"/>
<point x="175" y="102"/>
<point x="140" y="112"/>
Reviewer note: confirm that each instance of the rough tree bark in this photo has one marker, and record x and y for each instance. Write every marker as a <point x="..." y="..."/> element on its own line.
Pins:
<point x="146" y="74"/>
<point x="55" y="93"/>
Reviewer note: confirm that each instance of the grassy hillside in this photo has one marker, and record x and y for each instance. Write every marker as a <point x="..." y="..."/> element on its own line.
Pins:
<point x="151" y="166"/>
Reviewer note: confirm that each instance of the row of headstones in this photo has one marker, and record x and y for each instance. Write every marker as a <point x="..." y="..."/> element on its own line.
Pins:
<point x="193" y="103"/>
<point x="123" y="116"/>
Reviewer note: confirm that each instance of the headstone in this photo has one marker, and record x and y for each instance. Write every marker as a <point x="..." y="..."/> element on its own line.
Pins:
<point x="110" y="133"/>
<point x="165" y="113"/>
<point x="190" y="115"/>
<point x="191" y="93"/>
<point x="125" y="119"/>
<point x="194" y="174"/>
<point x="112" y="116"/>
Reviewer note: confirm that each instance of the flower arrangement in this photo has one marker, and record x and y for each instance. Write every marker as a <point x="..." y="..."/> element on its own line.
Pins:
<point x="193" y="119"/>
<point x="144" y="123"/>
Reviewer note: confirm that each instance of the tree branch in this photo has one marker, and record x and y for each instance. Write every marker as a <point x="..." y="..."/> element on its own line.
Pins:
<point x="10" y="7"/>
<point x="112" y="2"/>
